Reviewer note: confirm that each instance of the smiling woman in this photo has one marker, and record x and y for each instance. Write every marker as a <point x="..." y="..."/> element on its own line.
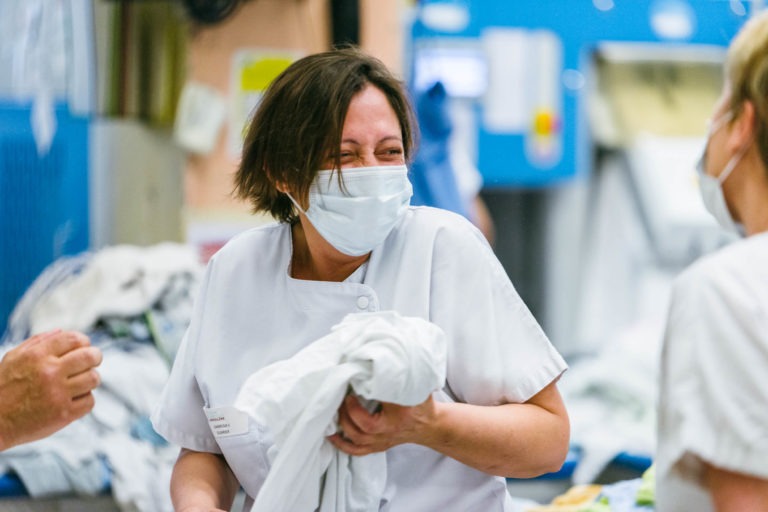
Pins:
<point x="326" y="155"/>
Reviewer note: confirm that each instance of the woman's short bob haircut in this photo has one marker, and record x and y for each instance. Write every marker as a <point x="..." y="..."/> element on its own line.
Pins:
<point x="746" y="73"/>
<point x="298" y="125"/>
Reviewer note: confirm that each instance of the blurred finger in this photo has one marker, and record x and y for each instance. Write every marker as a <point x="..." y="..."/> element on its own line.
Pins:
<point x="355" y="411"/>
<point x="342" y="443"/>
<point x="360" y="417"/>
<point x="80" y="360"/>
<point x="40" y="337"/>
<point x="83" y="383"/>
<point x="348" y="446"/>
<point x="82" y="405"/>
<point x="63" y="342"/>
<point x="346" y="424"/>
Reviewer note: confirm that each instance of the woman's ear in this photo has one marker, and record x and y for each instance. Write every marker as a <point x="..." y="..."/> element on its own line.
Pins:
<point x="742" y="132"/>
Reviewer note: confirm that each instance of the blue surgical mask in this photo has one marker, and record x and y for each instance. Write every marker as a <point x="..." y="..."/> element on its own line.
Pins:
<point x="711" y="187"/>
<point x="357" y="216"/>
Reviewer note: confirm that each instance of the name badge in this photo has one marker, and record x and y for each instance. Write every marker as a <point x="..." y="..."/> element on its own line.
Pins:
<point x="227" y="421"/>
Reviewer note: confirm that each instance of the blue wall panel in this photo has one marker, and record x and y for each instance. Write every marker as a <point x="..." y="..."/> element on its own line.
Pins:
<point x="43" y="199"/>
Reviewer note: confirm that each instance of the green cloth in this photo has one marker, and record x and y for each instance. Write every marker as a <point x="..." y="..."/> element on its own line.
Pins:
<point x="646" y="494"/>
<point x="601" y="505"/>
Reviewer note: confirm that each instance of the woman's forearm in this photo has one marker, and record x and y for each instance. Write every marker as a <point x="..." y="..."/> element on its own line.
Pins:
<point x="735" y="492"/>
<point x="202" y="482"/>
<point x="512" y="440"/>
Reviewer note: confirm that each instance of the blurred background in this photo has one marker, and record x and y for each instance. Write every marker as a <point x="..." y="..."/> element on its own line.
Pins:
<point x="567" y="130"/>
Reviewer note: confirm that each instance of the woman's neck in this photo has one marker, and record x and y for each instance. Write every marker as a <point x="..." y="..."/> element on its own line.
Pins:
<point x="753" y="203"/>
<point x="314" y="259"/>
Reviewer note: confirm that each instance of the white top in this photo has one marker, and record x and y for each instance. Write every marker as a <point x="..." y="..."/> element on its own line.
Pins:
<point x="714" y="375"/>
<point x="434" y="265"/>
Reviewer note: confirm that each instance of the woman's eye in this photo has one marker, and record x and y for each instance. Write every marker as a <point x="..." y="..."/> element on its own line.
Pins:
<point x="393" y="153"/>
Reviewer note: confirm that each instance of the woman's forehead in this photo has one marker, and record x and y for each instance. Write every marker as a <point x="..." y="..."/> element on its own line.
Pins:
<point x="371" y="118"/>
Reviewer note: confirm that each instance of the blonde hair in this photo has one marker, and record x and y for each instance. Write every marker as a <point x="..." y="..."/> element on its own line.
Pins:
<point x="746" y="70"/>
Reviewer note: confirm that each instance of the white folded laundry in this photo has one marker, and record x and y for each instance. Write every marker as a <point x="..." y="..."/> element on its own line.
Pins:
<point x="122" y="280"/>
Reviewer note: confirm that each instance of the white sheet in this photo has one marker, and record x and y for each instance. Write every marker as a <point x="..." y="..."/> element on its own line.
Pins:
<point x="382" y="356"/>
<point x="123" y="280"/>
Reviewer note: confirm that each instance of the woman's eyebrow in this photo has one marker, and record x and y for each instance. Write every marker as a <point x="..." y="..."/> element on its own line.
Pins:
<point x="391" y="138"/>
<point x="384" y="139"/>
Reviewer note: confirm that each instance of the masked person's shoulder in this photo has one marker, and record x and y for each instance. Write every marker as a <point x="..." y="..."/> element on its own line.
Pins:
<point x="446" y="230"/>
<point x="738" y="265"/>
<point x="263" y="239"/>
<point x="431" y="218"/>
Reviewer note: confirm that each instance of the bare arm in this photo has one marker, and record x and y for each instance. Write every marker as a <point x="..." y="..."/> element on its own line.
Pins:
<point x="511" y="440"/>
<point x="45" y="384"/>
<point x="202" y="482"/>
<point x="735" y="492"/>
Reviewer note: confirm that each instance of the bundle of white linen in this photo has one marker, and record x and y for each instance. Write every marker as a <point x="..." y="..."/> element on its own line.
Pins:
<point x="381" y="356"/>
<point x="122" y="280"/>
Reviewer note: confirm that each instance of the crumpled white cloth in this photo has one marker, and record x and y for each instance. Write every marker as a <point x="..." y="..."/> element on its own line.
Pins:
<point x="61" y="270"/>
<point x="122" y="280"/>
<point x="612" y="399"/>
<point x="382" y="356"/>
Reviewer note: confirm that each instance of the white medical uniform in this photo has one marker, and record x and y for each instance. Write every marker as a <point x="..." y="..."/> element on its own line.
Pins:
<point x="714" y="376"/>
<point x="434" y="265"/>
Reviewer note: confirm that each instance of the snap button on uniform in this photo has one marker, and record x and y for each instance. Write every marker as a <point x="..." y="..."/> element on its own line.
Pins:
<point x="362" y="302"/>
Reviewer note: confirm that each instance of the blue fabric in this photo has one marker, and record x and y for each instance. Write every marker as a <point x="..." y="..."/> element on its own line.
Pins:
<point x="11" y="486"/>
<point x="431" y="172"/>
<point x="46" y="474"/>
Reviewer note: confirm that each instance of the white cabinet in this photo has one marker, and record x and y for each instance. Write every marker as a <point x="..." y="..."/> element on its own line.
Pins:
<point x="136" y="184"/>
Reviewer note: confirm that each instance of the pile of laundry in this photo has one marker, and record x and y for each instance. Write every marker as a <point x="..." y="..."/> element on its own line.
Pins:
<point x="135" y="304"/>
<point x="611" y="400"/>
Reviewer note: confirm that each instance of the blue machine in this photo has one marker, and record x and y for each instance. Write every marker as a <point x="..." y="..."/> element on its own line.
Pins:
<point x="525" y="64"/>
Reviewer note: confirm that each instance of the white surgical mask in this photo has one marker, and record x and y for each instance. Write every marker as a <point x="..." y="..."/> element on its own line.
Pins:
<point x="358" y="217"/>
<point x="711" y="187"/>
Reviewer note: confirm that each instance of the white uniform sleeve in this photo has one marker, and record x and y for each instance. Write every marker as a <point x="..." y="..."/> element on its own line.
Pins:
<point x="497" y="352"/>
<point x="179" y="416"/>
<point x="716" y="357"/>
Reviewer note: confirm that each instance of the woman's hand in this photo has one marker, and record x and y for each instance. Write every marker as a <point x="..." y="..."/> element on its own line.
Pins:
<point x="519" y="440"/>
<point x="362" y="433"/>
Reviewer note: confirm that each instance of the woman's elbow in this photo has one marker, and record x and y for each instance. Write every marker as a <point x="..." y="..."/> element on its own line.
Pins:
<point x="553" y="449"/>
<point x="559" y="446"/>
<point x="554" y="459"/>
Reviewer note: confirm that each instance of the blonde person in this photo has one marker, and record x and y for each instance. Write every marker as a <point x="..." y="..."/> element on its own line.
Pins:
<point x="326" y="155"/>
<point x="713" y="418"/>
